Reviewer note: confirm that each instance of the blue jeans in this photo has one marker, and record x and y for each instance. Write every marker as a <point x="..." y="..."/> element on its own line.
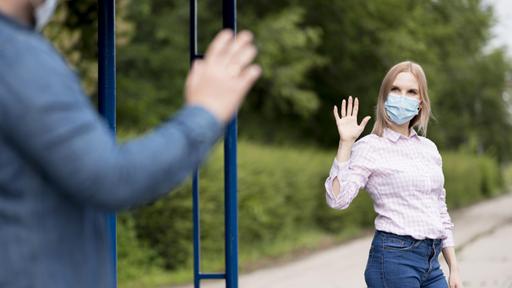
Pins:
<point x="397" y="261"/>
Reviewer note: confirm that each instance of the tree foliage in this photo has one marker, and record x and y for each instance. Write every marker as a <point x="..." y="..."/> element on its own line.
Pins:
<point x="313" y="53"/>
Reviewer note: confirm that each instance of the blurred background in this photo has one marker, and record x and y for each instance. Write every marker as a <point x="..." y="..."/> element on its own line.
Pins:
<point x="313" y="54"/>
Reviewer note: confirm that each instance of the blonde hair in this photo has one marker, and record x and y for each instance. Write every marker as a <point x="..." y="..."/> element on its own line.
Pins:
<point x="421" y="120"/>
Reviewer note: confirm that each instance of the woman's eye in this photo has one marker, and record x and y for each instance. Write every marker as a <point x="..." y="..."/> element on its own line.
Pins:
<point x="395" y="89"/>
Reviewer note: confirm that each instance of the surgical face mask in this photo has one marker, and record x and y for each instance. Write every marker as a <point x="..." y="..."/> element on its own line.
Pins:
<point x="43" y="13"/>
<point x="401" y="109"/>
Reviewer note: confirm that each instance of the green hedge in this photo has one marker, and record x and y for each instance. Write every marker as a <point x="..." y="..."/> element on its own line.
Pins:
<point x="470" y="178"/>
<point x="280" y="194"/>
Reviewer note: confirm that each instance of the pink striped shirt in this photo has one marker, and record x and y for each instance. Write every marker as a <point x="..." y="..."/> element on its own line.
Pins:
<point x="404" y="177"/>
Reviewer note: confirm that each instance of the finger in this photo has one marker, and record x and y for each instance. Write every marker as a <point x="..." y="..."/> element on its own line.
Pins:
<point x="356" y="107"/>
<point x="244" y="58"/>
<point x="239" y="63"/>
<point x="238" y="47"/>
<point x="336" y="114"/>
<point x="343" y="108"/>
<point x="365" y="121"/>
<point x="349" y="108"/>
<point x="249" y="76"/>
<point x="217" y="49"/>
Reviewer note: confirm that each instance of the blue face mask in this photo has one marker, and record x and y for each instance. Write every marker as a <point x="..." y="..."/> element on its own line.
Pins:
<point x="401" y="109"/>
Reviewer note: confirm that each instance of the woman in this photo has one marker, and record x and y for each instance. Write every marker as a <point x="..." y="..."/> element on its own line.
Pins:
<point x="402" y="172"/>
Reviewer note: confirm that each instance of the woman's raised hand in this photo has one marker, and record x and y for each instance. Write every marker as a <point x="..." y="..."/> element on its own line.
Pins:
<point x="348" y="128"/>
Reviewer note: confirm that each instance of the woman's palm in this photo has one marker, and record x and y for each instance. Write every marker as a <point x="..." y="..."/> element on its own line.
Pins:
<point x="348" y="128"/>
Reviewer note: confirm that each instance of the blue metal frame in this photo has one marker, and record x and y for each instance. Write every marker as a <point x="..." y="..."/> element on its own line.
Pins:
<point x="107" y="95"/>
<point x="195" y="180"/>
<point x="230" y="174"/>
<point x="107" y="108"/>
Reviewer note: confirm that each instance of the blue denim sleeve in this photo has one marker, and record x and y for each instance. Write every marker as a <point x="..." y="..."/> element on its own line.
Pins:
<point x="49" y="120"/>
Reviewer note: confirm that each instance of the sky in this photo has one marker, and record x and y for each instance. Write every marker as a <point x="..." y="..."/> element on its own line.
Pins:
<point x="502" y="31"/>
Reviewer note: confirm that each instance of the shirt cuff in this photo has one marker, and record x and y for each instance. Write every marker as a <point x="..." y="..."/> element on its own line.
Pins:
<point x="339" y="166"/>
<point x="199" y="124"/>
<point x="336" y="171"/>
<point x="448" y="241"/>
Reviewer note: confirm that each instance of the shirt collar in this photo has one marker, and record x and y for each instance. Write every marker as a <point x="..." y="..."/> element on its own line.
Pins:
<point x="394" y="136"/>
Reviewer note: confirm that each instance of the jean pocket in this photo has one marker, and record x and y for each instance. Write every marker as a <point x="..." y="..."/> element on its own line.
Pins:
<point x="397" y="243"/>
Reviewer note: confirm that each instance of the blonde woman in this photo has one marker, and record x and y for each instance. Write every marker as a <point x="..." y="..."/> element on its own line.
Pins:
<point x="402" y="172"/>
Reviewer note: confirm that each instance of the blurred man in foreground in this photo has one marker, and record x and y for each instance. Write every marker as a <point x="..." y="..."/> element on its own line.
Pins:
<point x="60" y="168"/>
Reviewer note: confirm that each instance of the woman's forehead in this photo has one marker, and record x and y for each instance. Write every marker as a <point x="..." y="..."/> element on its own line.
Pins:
<point x="406" y="80"/>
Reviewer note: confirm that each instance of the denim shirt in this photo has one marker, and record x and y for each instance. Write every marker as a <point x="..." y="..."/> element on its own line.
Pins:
<point x="61" y="170"/>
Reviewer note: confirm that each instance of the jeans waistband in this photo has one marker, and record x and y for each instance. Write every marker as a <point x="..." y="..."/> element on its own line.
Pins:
<point x="407" y="237"/>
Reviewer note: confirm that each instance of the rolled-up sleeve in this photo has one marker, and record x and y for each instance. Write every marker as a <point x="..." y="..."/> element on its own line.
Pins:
<point x="352" y="176"/>
<point x="48" y="119"/>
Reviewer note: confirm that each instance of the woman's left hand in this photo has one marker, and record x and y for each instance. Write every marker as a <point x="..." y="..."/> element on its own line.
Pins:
<point x="454" y="279"/>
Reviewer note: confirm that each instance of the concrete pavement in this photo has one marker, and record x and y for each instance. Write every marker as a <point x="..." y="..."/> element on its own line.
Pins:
<point x="483" y="236"/>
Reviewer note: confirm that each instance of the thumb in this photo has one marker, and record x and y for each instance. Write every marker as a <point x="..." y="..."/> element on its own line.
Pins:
<point x="365" y="121"/>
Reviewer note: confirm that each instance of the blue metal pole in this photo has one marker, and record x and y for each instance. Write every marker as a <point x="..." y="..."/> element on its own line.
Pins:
<point x="107" y="94"/>
<point x="230" y="174"/>
<point x="231" y="205"/>
<point x="196" y="219"/>
<point x="195" y="180"/>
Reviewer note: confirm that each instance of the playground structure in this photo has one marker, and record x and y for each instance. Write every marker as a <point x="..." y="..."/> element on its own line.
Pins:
<point x="107" y="108"/>
<point x="230" y="172"/>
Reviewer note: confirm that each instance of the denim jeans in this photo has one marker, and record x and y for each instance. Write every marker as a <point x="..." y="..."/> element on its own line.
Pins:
<point x="397" y="261"/>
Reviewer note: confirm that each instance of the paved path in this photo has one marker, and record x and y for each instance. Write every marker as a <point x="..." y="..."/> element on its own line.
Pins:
<point x="483" y="235"/>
